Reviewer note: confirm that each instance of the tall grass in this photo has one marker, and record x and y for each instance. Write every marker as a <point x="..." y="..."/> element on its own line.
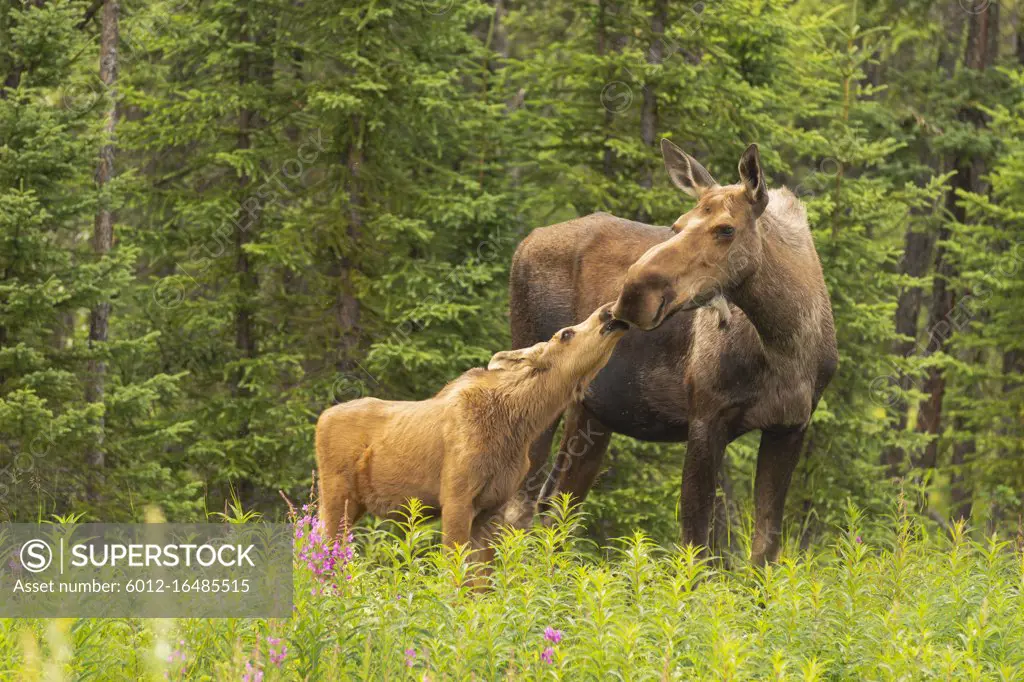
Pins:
<point x="889" y="599"/>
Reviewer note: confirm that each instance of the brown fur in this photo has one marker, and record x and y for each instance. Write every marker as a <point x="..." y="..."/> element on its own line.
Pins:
<point x="464" y="451"/>
<point x="699" y="374"/>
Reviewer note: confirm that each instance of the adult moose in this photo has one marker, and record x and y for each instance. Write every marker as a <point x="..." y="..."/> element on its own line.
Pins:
<point x="681" y="375"/>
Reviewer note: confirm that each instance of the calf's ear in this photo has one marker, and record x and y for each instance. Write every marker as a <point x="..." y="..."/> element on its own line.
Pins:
<point x="510" y="359"/>
<point x="506" y="359"/>
<point x="752" y="178"/>
<point x="685" y="171"/>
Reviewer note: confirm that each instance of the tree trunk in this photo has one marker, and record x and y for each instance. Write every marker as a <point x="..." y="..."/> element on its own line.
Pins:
<point x="13" y="78"/>
<point x="103" y="230"/>
<point x="259" y="70"/>
<point x="940" y="328"/>
<point x="916" y="253"/>
<point x="250" y="70"/>
<point x="346" y="303"/>
<point x="961" y="487"/>
<point x="649" y="108"/>
<point x="960" y="491"/>
<point x="980" y="53"/>
<point x="603" y="41"/>
<point x="245" y="341"/>
<point x="1013" y="374"/>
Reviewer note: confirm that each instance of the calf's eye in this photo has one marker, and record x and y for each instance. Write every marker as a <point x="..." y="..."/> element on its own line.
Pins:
<point x="567" y="335"/>
<point x="725" y="231"/>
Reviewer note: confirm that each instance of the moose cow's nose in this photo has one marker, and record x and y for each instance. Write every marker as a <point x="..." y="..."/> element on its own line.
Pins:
<point x="644" y="302"/>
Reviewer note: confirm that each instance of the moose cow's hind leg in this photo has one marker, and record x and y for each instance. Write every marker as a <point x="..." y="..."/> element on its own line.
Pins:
<point x="584" y="442"/>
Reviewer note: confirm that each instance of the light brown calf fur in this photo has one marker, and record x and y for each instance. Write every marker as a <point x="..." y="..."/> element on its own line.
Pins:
<point x="464" y="451"/>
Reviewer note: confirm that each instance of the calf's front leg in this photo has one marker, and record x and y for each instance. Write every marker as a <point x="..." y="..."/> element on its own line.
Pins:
<point x="485" y="528"/>
<point x="457" y="521"/>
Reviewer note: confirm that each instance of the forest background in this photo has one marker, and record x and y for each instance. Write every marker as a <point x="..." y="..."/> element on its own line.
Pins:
<point x="219" y="218"/>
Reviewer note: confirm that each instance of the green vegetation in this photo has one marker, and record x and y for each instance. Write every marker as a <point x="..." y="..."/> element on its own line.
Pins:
<point x="219" y="218"/>
<point x="884" y="599"/>
<point x="309" y="203"/>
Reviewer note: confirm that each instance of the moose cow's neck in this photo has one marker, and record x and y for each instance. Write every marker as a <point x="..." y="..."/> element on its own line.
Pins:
<point x="782" y="297"/>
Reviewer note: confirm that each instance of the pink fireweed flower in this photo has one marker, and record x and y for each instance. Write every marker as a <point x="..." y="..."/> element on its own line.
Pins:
<point x="252" y="674"/>
<point x="177" y="656"/>
<point x="322" y="555"/>
<point x="548" y="655"/>
<point x="552" y="635"/>
<point x="410" y="657"/>
<point x="277" y="656"/>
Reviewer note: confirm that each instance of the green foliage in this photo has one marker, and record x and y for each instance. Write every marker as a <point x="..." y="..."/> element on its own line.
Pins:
<point x="49" y="278"/>
<point x="989" y="350"/>
<point x="884" y="599"/>
<point x="317" y="202"/>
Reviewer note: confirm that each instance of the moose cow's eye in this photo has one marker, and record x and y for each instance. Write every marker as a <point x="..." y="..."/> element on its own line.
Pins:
<point x="725" y="231"/>
<point x="567" y="335"/>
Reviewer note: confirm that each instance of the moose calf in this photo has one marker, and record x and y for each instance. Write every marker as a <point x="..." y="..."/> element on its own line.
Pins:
<point x="464" y="451"/>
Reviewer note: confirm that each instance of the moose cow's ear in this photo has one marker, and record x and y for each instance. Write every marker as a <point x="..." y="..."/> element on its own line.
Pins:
<point x="685" y="171"/>
<point x="752" y="178"/>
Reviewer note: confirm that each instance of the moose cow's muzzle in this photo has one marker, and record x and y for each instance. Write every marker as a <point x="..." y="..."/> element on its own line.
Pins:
<point x="644" y="303"/>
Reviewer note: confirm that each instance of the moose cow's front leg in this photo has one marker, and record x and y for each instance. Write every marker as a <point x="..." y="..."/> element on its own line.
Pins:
<point x="777" y="457"/>
<point x="704" y="449"/>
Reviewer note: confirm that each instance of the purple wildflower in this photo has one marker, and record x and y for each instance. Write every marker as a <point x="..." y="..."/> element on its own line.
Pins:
<point x="548" y="655"/>
<point x="176" y="659"/>
<point x="321" y="554"/>
<point x="277" y="656"/>
<point x="410" y="657"/>
<point x="858" y="540"/>
<point x="252" y="674"/>
<point x="552" y="635"/>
